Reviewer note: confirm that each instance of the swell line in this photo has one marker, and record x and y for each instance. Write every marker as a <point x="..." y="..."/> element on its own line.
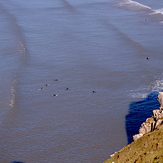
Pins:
<point x="16" y="29"/>
<point x="20" y="52"/>
<point x="126" y="38"/>
<point x="68" y="6"/>
<point x="136" y="6"/>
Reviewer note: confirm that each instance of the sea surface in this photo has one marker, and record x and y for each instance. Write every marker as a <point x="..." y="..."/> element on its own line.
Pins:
<point x="71" y="72"/>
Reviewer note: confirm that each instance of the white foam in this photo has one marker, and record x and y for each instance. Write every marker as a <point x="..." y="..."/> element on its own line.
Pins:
<point x="157" y="11"/>
<point x="133" y="5"/>
<point x="12" y="100"/>
<point x="157" y="85"/>
<point x="13" y="94"/>
<point x="139" y="95"/>
<point x="22" y="47"/>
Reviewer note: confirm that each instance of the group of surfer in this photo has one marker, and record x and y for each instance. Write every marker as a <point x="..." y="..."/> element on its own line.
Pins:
<point x="42" y="88"/>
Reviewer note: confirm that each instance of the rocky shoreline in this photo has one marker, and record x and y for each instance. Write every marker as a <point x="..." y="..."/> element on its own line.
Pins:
<point x="148" y="142"/>
<point x="153" y="122"/>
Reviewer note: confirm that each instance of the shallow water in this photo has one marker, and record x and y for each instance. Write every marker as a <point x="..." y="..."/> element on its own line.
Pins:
<point x="99" y="46"/>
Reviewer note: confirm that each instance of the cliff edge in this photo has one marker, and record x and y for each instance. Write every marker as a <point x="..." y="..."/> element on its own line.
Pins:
<point x="148" y="143"/>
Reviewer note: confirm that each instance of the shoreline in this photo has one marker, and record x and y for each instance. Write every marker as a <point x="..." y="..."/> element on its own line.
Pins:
<point x="147" y="144"/>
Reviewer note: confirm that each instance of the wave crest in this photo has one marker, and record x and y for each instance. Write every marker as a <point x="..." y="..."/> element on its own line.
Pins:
<point x="132" y="5"/>
<point x="157" y="85"/>
<point x="157" y="11"/>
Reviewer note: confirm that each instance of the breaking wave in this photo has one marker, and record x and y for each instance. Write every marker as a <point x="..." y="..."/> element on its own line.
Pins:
<point x="157" y="11"/>
<point x="157" y="85"/>
<point x="132" y="5"/>
<point x="136" y="6"/>
<point x="139" y="95"/>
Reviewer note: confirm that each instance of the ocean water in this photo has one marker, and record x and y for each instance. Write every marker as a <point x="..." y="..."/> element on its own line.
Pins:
<point x="111" y="47"/>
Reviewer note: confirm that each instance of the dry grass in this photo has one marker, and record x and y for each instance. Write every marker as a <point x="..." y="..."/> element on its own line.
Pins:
<point x="147" y="149"/>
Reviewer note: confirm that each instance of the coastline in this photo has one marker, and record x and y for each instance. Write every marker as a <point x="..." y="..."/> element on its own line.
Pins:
<point x="147" y="144"/>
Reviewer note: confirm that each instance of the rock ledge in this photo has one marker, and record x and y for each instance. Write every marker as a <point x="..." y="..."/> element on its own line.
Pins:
<point x="153" y="122"/>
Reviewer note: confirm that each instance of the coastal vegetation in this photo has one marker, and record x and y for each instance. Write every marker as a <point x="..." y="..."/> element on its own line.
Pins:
<point x="148" y="143"/>
<point x="147" y="149"/>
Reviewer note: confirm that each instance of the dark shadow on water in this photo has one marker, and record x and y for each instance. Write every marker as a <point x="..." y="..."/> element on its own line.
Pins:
<point x="17" y="162"/>
<point x="138" y="112"/>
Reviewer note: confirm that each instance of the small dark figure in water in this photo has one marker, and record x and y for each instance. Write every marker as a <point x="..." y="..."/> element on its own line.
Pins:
<point x="147" y="58"/>
<point x="54" y="94"/>
<point x="93" y="91"/>
<point x="47" y="85"/>
<point x="17" y="162"/>
<point x="66" y="88"/>
<point x="40" y="88"/>
<point x="56" y="79"/>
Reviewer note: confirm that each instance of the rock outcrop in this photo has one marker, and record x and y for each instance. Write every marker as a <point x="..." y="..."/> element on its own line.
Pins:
<point x="149" y="147"/>
<point x="160" y="99"/>
<point x="153" y="122"/>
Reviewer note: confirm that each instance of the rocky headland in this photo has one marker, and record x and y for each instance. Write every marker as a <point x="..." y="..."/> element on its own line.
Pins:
<point x="147" y="146"/>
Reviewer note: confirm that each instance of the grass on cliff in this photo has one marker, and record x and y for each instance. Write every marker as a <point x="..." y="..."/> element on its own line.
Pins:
<point x="147" y="149"/>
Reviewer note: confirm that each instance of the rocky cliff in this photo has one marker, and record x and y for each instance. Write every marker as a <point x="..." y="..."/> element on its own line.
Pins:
<point x="148" y="143"/>
<point x="153" y="122"/>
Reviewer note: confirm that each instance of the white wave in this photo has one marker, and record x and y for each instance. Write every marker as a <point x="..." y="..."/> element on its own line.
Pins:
<point x="157" y="85"/>
<point x="21" y="48"/>
<point x="12" y="100"/>
<point x="13" y="94"/>
<point x="132" y="5"/>
<point x="157" y="11"/>
<point x="138" y="95"/>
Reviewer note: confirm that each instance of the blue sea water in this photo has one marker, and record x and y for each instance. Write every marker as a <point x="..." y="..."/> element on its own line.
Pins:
<point x="85" y="46"/>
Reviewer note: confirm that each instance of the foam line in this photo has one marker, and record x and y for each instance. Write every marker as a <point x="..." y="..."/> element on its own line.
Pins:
<point x="13" y="96"/>
<point x="132" y="5"/>
<point x="157" y="85"/>
<point x="17" y="30"/>
<point x="157" y="11"/>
